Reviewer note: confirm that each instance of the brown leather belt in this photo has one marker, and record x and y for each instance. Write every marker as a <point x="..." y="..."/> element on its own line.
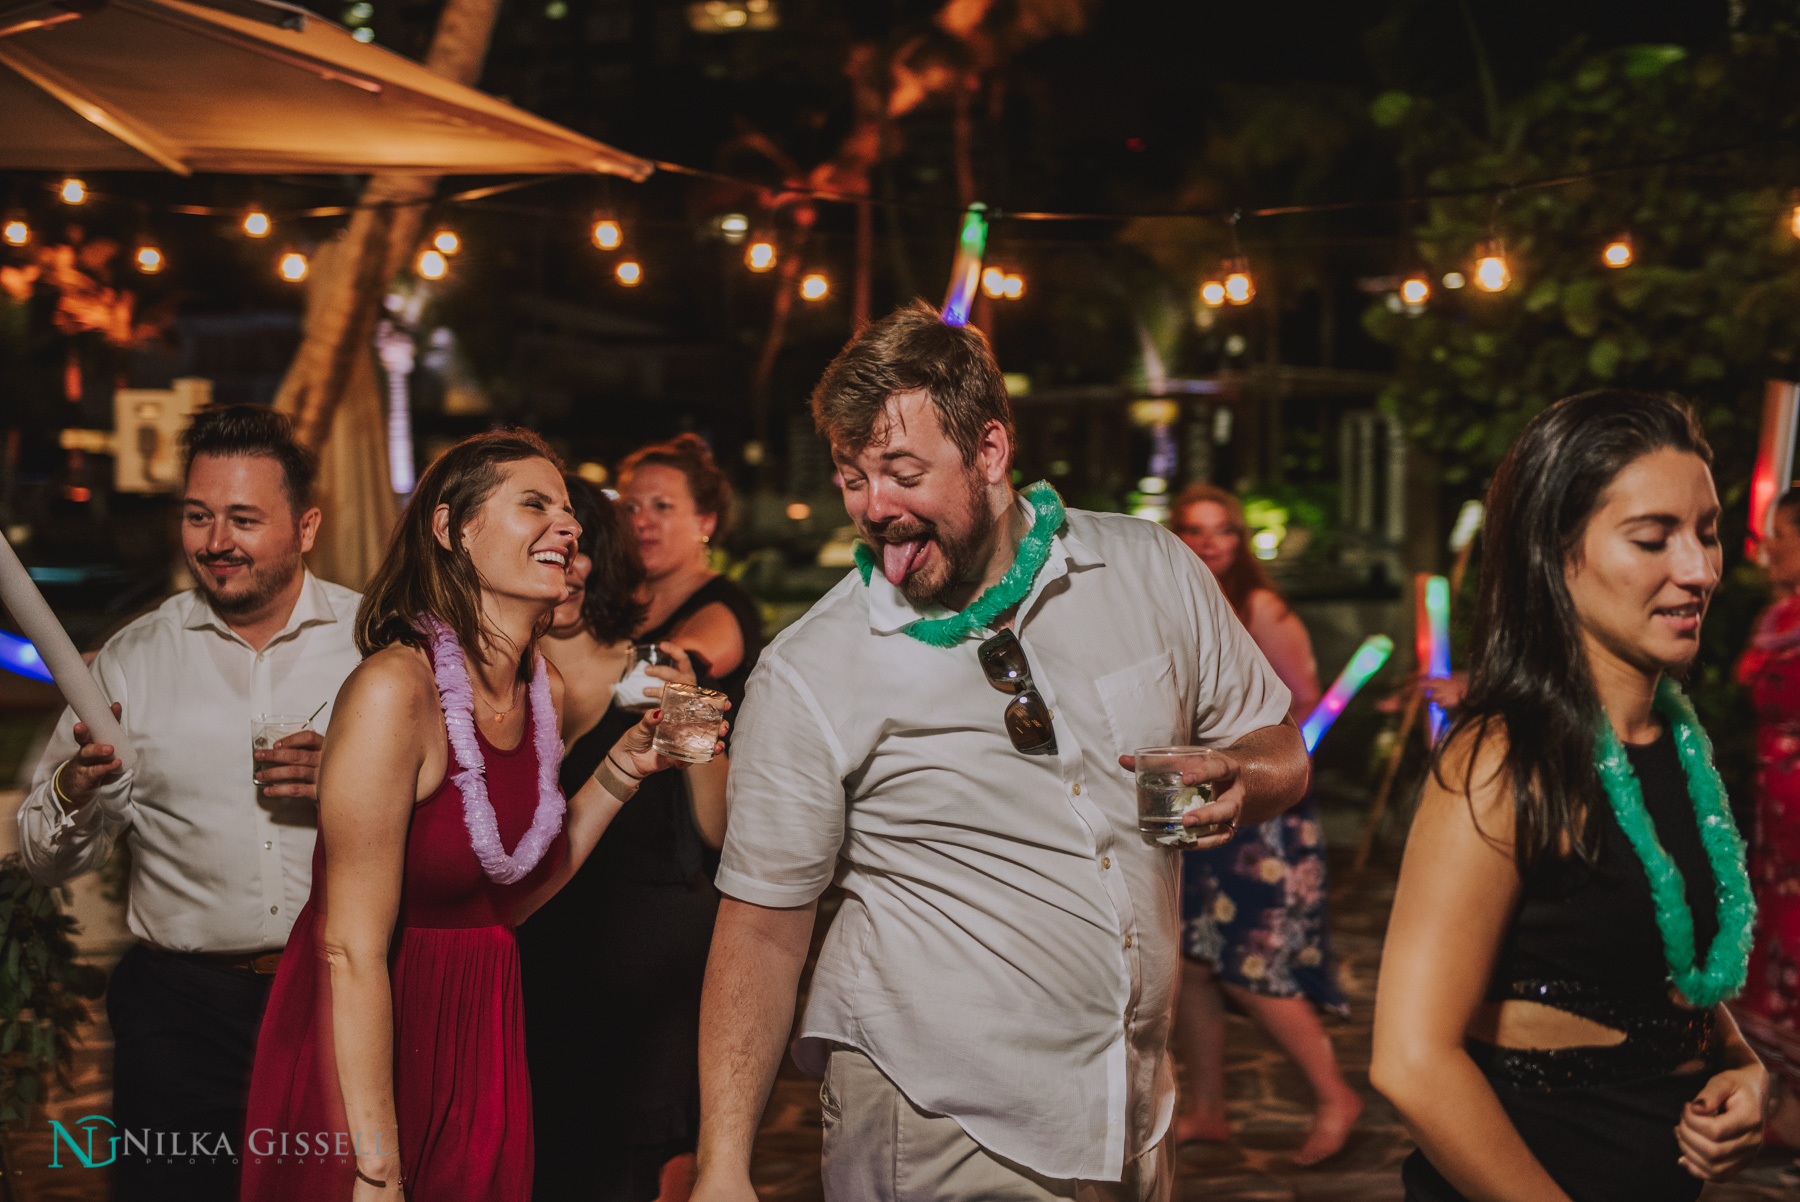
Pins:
<point x="261" y="963"/>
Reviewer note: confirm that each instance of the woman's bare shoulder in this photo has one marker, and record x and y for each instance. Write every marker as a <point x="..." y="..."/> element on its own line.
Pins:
<point x="1470" y="778"/>
<point x="396" y="677"/>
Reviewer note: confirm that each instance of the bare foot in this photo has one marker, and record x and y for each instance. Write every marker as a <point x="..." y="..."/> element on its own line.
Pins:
<point x="1202" y="1126"/>
<point x="1331" y="1126"/>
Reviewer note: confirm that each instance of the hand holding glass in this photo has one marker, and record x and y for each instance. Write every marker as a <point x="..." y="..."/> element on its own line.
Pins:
<point x="266" y="730"/>
<point x="690" y="722"/>
<point x="1171" y="781"/>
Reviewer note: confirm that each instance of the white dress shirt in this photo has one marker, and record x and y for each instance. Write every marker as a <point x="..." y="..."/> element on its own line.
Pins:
<point x="1008" y="951"/>
<point x="215" y="866"/>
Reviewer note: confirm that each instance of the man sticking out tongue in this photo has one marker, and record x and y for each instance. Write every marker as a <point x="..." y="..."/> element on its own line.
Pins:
<point x="950" y="737"/>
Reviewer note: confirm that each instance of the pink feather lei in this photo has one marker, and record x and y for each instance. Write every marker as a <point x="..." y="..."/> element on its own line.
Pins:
<point x="458" y="697"/>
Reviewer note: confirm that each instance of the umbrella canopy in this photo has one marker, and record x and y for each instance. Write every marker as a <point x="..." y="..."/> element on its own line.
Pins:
<point x="250" y="86"/>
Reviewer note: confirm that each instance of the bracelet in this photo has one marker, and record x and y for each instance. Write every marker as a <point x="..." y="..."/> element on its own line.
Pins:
<point x="364" y="1177"/>
<point x="622" y="768"/>
<point x="609" y="779"/>
<point x="68" y="803"/>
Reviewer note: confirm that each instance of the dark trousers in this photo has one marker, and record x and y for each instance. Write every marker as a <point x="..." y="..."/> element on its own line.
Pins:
<point x="184" y="1035"/>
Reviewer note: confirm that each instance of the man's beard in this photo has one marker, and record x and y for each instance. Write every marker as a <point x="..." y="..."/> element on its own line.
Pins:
<point x="248" y="591"/>
<point x="960" y="553"/>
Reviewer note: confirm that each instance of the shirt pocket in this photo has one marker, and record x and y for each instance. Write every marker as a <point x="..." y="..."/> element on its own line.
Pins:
<point x="1143" y="706"/>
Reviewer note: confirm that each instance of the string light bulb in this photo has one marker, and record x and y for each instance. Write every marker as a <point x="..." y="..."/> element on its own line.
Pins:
<point x="1212" y="293"/>
<point x="148" y="258"/>
<point x="433" y="265"/>
<point x="72" y="191"/>
<point x="1415" y="290"/>
<point x="1618" y="252"/>
<point x="1794" y="220"/>
<point x="993" y="282"/>
<point x="257" y="223"/>
<point x="1013" y="286"/>
<point x="446" y="241"/>
<point x="607" y="233"/>
<point x="16" y="231"/>
<point x="629" y="273"/>
<point x="1454" y="280"/>
<point x="1240" y="289"/>
<point x="291" y="266"/>
<point x="814" y="287"/>
<point x="759" y="256"/>
<point x="1491" y="271"/>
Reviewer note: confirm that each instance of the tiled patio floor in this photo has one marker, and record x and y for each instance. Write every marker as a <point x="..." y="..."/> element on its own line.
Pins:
<point x="1268" y="1110"/>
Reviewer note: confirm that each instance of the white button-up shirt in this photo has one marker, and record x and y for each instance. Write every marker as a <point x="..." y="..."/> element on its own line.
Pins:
<point x="215" y="866"/>
<point x="1008" y="950"/>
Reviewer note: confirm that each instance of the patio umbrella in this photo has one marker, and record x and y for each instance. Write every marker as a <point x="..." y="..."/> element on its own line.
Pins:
<point x="250" y="86"/>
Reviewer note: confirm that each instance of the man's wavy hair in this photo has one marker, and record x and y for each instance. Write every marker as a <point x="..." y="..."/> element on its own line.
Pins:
<point x="912" y="348"/>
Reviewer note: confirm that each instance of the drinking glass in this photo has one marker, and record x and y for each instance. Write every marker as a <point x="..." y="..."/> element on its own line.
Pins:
<point x="690" y="722"/>
<point x="628" y="694"/>
<point x="1168" y="786"/>
<point x="266" y="730"/>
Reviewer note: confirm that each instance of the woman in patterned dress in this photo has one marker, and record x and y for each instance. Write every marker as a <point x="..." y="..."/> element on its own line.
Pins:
<point x="1769" y="1010"/>
<point x="1254" y="909"/>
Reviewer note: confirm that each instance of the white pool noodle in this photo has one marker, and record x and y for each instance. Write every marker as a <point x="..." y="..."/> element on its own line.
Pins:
<point x="19" y="593"/>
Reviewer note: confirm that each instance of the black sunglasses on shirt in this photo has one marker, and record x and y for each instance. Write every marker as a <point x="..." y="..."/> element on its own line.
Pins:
<point x="1027" y="717"/>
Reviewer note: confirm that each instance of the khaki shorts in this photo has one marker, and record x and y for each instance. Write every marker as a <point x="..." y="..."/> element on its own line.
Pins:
<point x="879" y="1147"/>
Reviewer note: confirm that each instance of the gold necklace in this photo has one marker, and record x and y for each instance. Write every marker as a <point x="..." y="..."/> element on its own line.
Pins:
<point x="501" y="713"/>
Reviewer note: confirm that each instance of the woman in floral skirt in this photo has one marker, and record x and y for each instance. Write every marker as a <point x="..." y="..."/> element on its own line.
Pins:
<point x="1254" y="909"/>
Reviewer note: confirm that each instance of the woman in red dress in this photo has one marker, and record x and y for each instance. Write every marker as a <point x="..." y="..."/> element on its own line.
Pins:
<point x="392" y="1061"/>
<point x="1769" y="1010"/>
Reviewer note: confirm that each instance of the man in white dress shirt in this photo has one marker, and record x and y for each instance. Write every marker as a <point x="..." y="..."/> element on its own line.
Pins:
<point x="991" y="1008"/>
<point x="220" y="865"/>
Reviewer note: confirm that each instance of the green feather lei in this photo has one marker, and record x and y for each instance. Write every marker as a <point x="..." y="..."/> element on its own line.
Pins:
<point x="1728" y="959"/>
<point x="1011" y="588"/>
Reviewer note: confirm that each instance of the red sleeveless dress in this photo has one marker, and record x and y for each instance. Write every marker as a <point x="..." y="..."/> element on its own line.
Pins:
<point x="461" y="1088"/>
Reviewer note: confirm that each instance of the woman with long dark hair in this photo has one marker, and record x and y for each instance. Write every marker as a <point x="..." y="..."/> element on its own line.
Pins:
<point x="392" y="1059"/>
<point x="624" y="948"/>
<point x="1573" y="910"/>
<point x="1254" y="923"/>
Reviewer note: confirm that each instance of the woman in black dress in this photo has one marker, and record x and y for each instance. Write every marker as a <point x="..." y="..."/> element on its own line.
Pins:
<point x="1573" y="909"/>
<point x="613" y="967"/>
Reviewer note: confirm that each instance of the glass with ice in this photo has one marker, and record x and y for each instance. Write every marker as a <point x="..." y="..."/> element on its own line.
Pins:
<point x="1168" y="786"/>
<point x="266" y="730"/>
<point x="690" y="722"/>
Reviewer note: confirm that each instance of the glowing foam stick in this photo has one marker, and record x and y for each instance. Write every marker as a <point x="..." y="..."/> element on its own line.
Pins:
<point x="18" y="655"/>
<point x="51" y="641"/>
<point x="966" y="274"/>
<point x="1365" y="663"/>
<point x="1774" y="459"/>
<point x="1431" y="635"/>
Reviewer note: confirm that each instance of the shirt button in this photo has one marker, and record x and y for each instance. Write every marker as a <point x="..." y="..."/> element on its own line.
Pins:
<point x="1106" y="861"/>
<point x="1128" y="943"/>
<point x="1078" y="788"/>
<point x="268" y="843"/>
<point x="277" y="910"/>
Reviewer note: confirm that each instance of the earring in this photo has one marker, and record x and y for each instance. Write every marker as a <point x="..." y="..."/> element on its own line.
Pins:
<point x="705" y="539"/>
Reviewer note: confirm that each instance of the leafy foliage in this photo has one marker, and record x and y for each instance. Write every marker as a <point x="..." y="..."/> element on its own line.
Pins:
<point x="42" y="987"/>
<point x="1709" y="307"/>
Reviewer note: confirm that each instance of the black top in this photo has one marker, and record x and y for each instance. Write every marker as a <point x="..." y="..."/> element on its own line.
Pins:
<point x="653" y="838"/>
<point x="1598" y="927"/>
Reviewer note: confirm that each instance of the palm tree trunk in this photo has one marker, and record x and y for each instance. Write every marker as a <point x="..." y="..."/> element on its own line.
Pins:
<point x="381" y="236"/>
